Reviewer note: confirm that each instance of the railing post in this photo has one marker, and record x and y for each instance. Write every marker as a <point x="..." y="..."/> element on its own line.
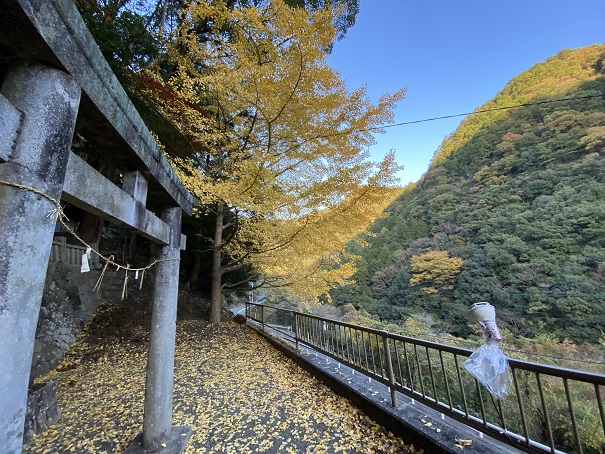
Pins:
<point x="262" y="317"/>
<point x="387" y="353"/>
<point x="296" y="329"/>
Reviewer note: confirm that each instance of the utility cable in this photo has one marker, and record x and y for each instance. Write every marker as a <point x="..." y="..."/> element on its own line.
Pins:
<point x="444" y="117"/>
<point x="424" y="120"/>
<point x="493" y="109"/>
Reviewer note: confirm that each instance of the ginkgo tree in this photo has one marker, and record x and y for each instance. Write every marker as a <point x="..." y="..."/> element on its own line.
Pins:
<point x="278" y="145"/>
<point x="435" y="270"/>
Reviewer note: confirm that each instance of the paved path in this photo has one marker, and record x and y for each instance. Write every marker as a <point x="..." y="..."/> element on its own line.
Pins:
<point x="237" y="392"/>
<point x="442" y="429"/>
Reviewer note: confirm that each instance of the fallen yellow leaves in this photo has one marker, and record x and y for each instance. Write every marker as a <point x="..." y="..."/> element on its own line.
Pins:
<point x="460" y="443"/>
<point x="237" y="393"/>
<point x="430" y="425"/>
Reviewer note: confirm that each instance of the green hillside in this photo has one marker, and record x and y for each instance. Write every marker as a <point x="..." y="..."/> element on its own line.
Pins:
<point x="511" y="211"/>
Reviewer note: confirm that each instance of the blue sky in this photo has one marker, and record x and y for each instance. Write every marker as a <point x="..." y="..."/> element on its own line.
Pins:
<point x="452" y="56"/>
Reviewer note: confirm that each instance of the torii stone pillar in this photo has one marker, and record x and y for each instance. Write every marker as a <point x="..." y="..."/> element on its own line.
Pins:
<point x="158" y="433"/>
<point x="48" y="101"/>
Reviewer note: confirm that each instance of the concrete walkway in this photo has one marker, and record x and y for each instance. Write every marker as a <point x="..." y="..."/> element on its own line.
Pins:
<point x="421" y="425"/>
<point x="238" y="393"/>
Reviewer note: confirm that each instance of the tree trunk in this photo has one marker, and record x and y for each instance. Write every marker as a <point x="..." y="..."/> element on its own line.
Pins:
<point x="194" y="274"/>
<point x="215" y="293"/>
<point x="163" y="19"/>
<point x="91" y="228"/>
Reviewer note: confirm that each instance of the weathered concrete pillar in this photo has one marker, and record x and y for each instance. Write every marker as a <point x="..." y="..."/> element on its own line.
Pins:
<point x="48" y="100"/>
<point x="135" y="184"/>
<point x="158" y="433"/>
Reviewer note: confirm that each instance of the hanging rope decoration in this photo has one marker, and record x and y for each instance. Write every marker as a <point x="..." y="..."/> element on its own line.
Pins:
<point x="125" y="288"/>
<point x="58" y="215"/>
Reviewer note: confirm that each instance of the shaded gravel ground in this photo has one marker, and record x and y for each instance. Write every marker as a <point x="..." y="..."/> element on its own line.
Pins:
<point x="237" y="393"/>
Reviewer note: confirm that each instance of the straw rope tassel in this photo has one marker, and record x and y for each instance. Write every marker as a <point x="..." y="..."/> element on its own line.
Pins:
<point x="125" y="288"/>
<point x="97" y="286"/>
<point x="58" y="215"/>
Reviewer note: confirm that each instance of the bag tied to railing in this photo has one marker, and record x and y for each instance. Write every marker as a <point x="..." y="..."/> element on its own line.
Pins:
<point x="488" y="364"/>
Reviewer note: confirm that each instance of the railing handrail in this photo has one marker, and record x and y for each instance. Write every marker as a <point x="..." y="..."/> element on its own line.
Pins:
<point x="563" y="372"/>
<point x="354" y="345"/>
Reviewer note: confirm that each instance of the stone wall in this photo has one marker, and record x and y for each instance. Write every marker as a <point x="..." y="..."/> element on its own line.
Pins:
<point x="42" y="410"/>
<point x="69" y="302"/>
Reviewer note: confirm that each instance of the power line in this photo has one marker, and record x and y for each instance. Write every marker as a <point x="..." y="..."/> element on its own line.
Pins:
<point x="424" y="120"/>
<point x="444" y="117"/>
<point x="478" y="111"/>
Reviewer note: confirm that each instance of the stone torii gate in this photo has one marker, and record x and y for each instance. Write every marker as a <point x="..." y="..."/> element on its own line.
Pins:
<point x="55" y="80"/>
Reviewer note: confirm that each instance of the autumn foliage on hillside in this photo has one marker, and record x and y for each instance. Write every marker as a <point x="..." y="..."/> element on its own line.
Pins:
<point x="511" y="211"/>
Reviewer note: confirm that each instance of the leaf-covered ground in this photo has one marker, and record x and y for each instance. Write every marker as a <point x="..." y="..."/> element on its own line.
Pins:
<point x="237" y="393"/>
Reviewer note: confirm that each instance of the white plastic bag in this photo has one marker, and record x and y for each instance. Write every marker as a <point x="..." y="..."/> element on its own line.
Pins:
<point x="490" y="366"/>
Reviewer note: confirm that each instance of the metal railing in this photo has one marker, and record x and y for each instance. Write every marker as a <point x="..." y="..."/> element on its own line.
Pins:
<point x="548" y="409"/>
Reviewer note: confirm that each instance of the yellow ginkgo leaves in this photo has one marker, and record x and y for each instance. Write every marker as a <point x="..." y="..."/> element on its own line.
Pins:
<point x="237" y="393"/>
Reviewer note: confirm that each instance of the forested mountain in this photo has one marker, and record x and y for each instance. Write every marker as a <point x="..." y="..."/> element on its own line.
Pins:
<point x="511" y="211"/>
